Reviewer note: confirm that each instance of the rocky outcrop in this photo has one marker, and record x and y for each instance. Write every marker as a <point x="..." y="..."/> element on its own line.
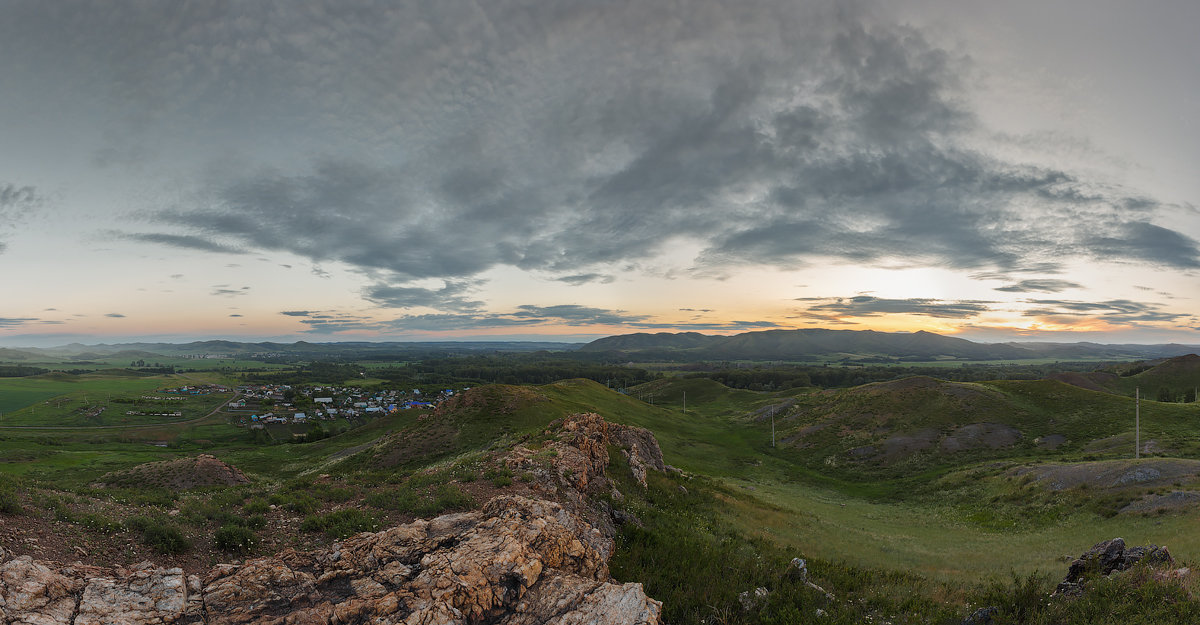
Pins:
<point x="1107" y="557"/>
<point x="578" y="453"/>
<point x="517" y="561"/>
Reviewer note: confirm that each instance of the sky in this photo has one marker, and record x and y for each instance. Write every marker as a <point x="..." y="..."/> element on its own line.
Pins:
<point x="569" y="169"/>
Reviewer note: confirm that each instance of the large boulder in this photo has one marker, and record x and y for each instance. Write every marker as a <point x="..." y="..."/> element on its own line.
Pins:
<point x="1107" y="557"/>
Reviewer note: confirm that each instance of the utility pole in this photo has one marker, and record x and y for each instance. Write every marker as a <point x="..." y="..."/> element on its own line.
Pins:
<point x="772" y="428"/>
<point x="685" y="401"/>
<point x="1137" y="423"/>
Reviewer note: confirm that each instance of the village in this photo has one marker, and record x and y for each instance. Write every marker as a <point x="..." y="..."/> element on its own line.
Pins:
<point x="260" y="405"/>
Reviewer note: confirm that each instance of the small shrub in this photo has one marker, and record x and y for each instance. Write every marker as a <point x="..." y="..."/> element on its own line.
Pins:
<point x="427" y="479"/>
<point x="235" y="539"/>
<point x="303" y="504"/>
<point x="138" y="523"/>
<point x="400" y="499"/>
<point x="160" y="534"/>
<point x="500" y="481"/>
<point x="329" y="492"/>
<point x="99" y="523"/>
<point x="9" y="502"/>
<point x="451" y="497"/>
<point x="465" y="473"/>
<point x="166" y="539"/>
<point x="340" y="523"/>
<point x="256" y="506"/>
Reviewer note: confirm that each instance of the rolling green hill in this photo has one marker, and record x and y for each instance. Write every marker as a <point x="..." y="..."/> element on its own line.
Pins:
<point x="921" y="423"/>
<point x="1173" y="380"/>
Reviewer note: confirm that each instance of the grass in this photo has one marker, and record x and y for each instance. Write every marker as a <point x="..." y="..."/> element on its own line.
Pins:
<point x="235" y="539"/>
<point x="909" y="538"/>
<point x="159" y="534"/>
<point x="340" y="523"/>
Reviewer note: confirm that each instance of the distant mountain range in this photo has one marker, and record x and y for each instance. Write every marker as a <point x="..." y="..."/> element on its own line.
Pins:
<point x="299" y="349"/>
<point x="857" y="345"/>
<point x="862" y="346"/>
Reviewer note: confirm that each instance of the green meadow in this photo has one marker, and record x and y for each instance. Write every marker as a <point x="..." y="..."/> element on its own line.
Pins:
<point x="912" y="531"/>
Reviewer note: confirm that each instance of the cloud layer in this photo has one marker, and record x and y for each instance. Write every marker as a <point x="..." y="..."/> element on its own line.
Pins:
<point x="768" y="133"/>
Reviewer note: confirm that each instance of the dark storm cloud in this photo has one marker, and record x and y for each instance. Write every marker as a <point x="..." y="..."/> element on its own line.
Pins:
<point x="868" y="306"/>
<point x="1118" y="311"/>
<point x="566" y="137"/>
<point x="1040" y="286"/>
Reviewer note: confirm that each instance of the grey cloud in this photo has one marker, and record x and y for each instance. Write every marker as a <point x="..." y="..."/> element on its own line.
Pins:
<point x="1143" y="241"/>
<point x="571" y="315"/>
<point x="115" y="315"/>
<point x="732" y="326"/>
<point x="11" y="322"/>
<point x="443" y="322"/>
<point x="185" y="241"/>
<point x="574" y="314"/>
<point x="804" y="131"/>
<point x="584" y="278"/>
<point x="235" y="315"/>
<point x="16" y="203"/>
<point x="225" y="292"/>
<point x="1040" y="286"/>
<point x="452" y="296"/>
<point x="15" y="199"/>
<point x="868" y="306"/>
<point x="339" y="322"/>
<point x="1119" y="311"/>
<point x="296" y="313"/>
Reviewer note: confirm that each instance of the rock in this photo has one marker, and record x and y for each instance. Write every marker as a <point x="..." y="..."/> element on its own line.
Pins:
<point x="982" y="616"/>
<point x="752" y="600"/>
<point x="149" y="595"/>
<point x="621" y="517"/>
<point x="517" y="561"/>
<point x="580" y="454"/>
<point x="1107" y="557"/>
<point x="31" y="592"/>
<point x="799" y="567"/>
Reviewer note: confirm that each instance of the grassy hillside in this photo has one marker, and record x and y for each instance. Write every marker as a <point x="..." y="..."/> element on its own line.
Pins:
<point x="966" y="482"/>
<point x="891" y="429"/>
<point x="1175" y="379"/>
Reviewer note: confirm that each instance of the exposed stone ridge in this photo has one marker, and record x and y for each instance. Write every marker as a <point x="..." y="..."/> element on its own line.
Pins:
<point x="517" y="561"/>
<point x="579" y="452"/>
